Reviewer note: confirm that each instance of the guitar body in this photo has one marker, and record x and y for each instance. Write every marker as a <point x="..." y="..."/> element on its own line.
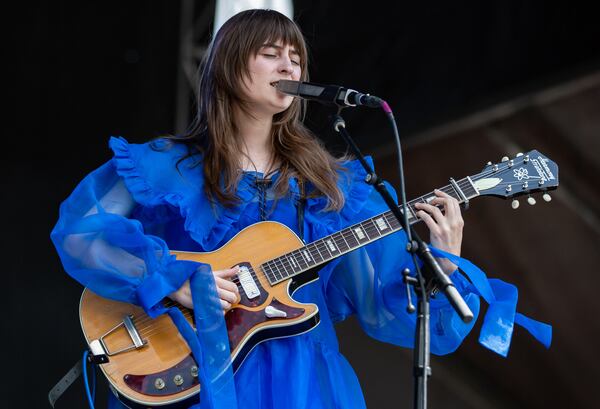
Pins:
<point x="162" y="371"/>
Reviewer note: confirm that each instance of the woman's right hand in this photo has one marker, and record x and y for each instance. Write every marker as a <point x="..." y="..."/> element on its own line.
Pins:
<point x="226" y="289"/>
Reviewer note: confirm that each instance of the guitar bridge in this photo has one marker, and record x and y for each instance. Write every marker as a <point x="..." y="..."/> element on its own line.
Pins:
<point x="100" y="350"/>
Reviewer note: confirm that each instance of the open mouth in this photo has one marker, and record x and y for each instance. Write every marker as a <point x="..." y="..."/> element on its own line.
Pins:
<point x="274" y="83"/>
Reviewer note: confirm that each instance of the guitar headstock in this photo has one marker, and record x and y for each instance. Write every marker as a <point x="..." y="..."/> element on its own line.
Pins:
<point x="524" y="174"/>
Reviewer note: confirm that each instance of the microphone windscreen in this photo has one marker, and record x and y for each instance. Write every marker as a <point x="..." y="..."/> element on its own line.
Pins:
<point x="288" y="87"/>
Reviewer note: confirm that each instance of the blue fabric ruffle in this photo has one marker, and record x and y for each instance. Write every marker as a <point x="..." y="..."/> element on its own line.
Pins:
<point x="498" y="324"/>
<point x="208" y="224"/>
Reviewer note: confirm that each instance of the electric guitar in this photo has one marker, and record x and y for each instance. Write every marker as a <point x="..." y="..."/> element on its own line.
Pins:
<point x="148" y="363"/>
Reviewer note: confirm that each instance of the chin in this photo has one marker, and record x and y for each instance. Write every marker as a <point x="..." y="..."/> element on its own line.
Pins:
<point x="279" y="108"/>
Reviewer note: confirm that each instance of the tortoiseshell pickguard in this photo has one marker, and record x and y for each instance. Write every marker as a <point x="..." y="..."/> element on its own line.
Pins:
<point x="149" y="384"/>
<point x="240" y="321"/>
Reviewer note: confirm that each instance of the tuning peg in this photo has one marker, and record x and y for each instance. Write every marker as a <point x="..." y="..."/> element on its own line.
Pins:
<point x="488" y="164"/>
<point x="546" y="197"/>
<point x="519" y="154"/>
<point x="504" y="159"/>
<point x="515" y="204"/>
<point x="531" y="200"/>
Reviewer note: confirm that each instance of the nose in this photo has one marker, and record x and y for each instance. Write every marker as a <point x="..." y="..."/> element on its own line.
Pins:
<point x="286" y="66"/>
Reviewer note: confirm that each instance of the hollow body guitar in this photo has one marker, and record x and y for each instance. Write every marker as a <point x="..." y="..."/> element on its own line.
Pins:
<point x="148" y="363"/>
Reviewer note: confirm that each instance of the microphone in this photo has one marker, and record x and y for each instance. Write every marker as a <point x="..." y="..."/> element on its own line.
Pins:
<point x="328" y="94"/>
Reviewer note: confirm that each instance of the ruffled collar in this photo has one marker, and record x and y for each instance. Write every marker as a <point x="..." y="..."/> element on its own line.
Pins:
<point x="208" y="223"/>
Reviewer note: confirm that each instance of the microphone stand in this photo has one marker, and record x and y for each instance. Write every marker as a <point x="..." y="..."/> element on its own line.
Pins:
<point x="433" y="277"/>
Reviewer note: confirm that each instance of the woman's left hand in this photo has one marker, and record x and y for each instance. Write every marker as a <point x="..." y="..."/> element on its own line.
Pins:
<point x="445" y="228"/>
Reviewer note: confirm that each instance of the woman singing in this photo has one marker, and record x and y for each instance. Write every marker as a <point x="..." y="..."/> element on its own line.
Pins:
<point x="248" y="158"/>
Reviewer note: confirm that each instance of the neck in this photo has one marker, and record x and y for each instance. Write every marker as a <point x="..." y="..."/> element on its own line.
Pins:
<point x="254" y="132"/>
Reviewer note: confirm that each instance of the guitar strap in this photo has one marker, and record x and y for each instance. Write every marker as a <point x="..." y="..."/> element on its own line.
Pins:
<point x="65" y="382"/>
<point x="263" y="184"/>
<point x="300" y="210"/>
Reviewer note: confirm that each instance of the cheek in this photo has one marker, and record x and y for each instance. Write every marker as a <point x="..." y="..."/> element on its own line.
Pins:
<point x="296" y="74"/>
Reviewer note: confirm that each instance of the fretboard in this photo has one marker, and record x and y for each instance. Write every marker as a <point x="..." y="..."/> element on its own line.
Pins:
<point x="328" y="248"/>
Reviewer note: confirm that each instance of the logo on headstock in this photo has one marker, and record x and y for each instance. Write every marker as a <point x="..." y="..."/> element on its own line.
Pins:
<point x="521" y="173"/>
<point x="541" y="165"/>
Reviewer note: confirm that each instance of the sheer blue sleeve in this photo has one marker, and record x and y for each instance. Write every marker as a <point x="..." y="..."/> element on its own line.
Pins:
<point x="108" y="252"/>
<point x="368" y="283"/>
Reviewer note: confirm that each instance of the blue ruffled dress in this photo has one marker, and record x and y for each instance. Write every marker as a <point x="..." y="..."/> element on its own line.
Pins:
<point x="127" y="259"/>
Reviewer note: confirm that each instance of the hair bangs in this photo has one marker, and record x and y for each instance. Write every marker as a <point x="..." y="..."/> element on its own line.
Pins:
<point x="275" y="27"/>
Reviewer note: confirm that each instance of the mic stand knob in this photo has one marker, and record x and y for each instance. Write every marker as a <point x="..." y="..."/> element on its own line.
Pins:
<point x="408" y="281"/>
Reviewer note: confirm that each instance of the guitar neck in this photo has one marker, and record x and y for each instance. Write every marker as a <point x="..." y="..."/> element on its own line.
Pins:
<point x="337" y="244"/>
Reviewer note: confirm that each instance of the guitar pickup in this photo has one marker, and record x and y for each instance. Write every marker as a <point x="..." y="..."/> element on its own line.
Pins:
<point x="248" y="284"/>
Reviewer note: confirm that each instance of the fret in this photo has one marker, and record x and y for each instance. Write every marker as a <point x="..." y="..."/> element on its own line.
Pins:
<point x="412" y="210"/>
<point x="340" y="234"/>
<point x="350" y="238"/>
<point x="318" y="253"/>
<point x="361" y="235"/>
<point x="274" y="270"/>
<point x="268" y="272"/>
<point x="382" y="224"/>
<point x="331" y="246"/>
<point x="427" y="198"/>
<point x="292" y="262"/>
<point x="416" y="218"/>
<point x="373" y="228"/>
<point x="392" y="221"/>
<point x="299" y="258"/>
<point x="366" y="228"/>
<point x="323" y="249"/>
<point x="280" y="267"/>
<point x="287" y="266"/>
<point x="307" y="257"/>
<point x="273" y="266"/>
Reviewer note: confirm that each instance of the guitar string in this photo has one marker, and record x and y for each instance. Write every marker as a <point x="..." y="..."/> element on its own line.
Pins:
<point x="367" y="226"/>
<point x="154" y="328"/>
<point x="277" y="263"/>
<point x="313" y="248"/>
<point x="346" y="235"/>
<point x="145" y="319"/>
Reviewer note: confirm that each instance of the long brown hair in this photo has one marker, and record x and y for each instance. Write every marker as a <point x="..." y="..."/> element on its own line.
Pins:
<point x="213" y="131"/>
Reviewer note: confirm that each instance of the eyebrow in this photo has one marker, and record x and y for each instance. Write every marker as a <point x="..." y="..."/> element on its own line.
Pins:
<point x="279" y="47"/>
